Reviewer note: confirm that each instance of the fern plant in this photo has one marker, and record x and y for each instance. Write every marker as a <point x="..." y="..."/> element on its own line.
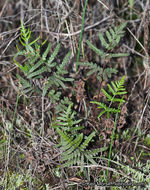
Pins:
<point x="101" y="74"/>
<point x="113" y="37"/>
<point x="74" y="143"/>
<point x="66" y="121"/>
<point x="115" y="95"/>
<point x="115" y="89"/>
<point x="74" y="149"/>
<point x="41" y="73"/>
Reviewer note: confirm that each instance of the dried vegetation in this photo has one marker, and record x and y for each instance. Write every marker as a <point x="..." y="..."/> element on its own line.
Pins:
<point x="29" y="157"/>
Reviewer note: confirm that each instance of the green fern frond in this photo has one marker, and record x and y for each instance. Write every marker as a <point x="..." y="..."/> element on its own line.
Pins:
<point x="105" y="108"/>
<point x="27" y="87"/>
<point x="37" y="74"/>
<point x="70" y="147"/>
<point x="66" y="138"/>
<point x="95" y="152"/>
<point x="44" y="56"/>
<point x="95" y="49"/>
<point x="113" y="37"/>
<point x="111" y="55"/>
<point x="86" y="142"/>
<point x="38" y="66"/>
<point x="35" y="66"/>
<point x="117" y="89"/>
<point x="46" y="87"/>
<point x="25" y="36"/>
<point x="61" y="68"/>
<point x="54" y="96"/>
<point x="74" y="150"/>
<point x="101" y="74"/>
<point x="66" y="121"/>
<point x="107" y="73"/>
<point x="63" y="105"/>
<point x="52" y="57"/>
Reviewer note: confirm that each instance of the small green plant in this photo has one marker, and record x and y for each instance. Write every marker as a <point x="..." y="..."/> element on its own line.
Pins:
<point x="115" y="95"/>
<point x="101" y="74"/>
<point x="113" y="37"/>
<point x="66" y="121"/>
<point x="74" y="143"/>
<point x="42" y="74"/>
<point x="15" y="181"/>
<point x="147" y="140"/>
<point x="115" y="89"/>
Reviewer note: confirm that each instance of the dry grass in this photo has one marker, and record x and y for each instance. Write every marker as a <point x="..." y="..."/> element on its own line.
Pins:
<point x="29" y="155"/>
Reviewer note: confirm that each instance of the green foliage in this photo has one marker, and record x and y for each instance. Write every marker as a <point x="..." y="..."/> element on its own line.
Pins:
<point x="99" y="71"/>
<point x="113" y="37"/>
<point x="116" y="90"/>
<point x="41" y="73"/>
<point x="131" y="3"/>
<point x="73" y="143"/>
<point x="66" y="121"/>
<point x="14" y="181"/>
<point x="147" y="140"/>
<point x="139" y="176"/>
<point x="62" y="105"/>
<point x="74" y="149"/>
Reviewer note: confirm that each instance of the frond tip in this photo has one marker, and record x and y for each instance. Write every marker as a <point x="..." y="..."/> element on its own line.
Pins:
<point x="113" y="36"/>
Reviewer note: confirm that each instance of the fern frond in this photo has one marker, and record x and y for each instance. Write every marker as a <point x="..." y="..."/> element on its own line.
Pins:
<point x="111" y="55"/>
<point x="27" y="87"/>
<point x="107" y="109"/>
<point x="44" y="56"/>
<point x="113" y="38"/>
<point x="86" y="142"/>
<point x="107" y="73"/>
<point x="112" y="98"/>
<point x="52" y="57"/>
<point x="61" y="68"/>
<point x="66" y="121"/>
<point x="35" y="66"/>
<point x="110" y="41"/>
<point x="89" y="158"/>
<point x="54" y="96"/>
<point x="117" y="89"/>
<point x="101" y="74"/>
<point x="95" y="49"/>
<point x="63" y="105"/>
<point x="95" y="152"/>
<point x="37" y="74"/>
<point x="70" y="147"/>
<point x="25" y="36"/>
<point x="66" y="138"/>
<point x="74" y="150"/>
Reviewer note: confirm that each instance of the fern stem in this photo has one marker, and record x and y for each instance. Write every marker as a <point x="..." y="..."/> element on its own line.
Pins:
<point x="81" y="34"/>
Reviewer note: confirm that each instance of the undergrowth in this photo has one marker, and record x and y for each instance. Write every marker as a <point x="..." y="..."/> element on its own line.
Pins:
<point x="44" y="76"/>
